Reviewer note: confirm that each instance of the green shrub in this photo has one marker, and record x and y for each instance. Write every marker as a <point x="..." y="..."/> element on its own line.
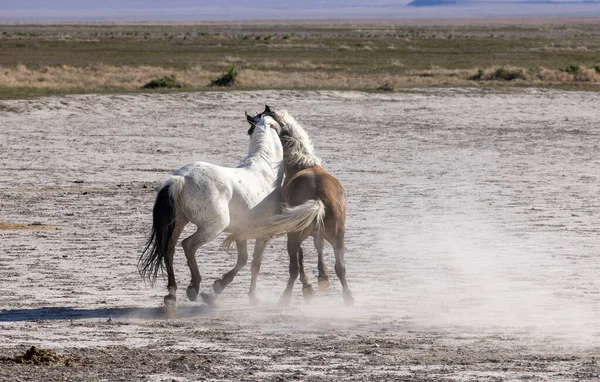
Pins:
<point x="478" y="76"/>
<point x="386" y="88"/>
<point x="571" y="69"/>
<point x="163" y="82"/>
<point x="227" y="79"/>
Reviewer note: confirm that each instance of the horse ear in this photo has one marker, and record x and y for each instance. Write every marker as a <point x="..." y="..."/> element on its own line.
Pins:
<point x="267" y="109"/>
<point x="249" y="118"/>
<point x="252" y="120"/>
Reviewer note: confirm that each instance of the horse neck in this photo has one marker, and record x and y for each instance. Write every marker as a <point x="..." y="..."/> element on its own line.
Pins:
<point x="265" y="155"/>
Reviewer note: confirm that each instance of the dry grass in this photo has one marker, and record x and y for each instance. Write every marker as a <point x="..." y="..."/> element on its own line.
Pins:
<point x="442" y="72"/>
<point x="302" y="64"/>
<point x="545" y="75"/>
<point x="342" y="80"/>
<point x="302" y="75"/>
<point x="98" y="76"/>
<point x="30" y="227"/>
<point x="558" y="48"/>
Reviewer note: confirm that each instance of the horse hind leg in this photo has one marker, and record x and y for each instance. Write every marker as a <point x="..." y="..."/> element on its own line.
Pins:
<point x="307" y="289"/>
<point x="323" y="279"/>
<point x="340" y="270"/>
<point x="190" y="245"/>
<point x="170" y="298"/>
<point x="293" y="247"/>
<point x="296" y="266"/>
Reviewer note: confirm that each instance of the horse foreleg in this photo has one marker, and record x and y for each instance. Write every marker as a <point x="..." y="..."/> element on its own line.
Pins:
<point x="259" y="248"/>
<point x="323" y="278"/>
<point x="242" y="259"/>
<point x="293" y="247"/>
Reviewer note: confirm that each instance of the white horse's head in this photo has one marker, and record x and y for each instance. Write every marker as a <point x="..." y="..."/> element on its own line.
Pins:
<point x="262" y="121"/>
<point x="279" y="115"/>
<point x="264" y="138"/>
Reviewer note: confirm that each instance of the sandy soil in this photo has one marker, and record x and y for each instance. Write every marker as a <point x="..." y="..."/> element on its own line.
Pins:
<point x="472" y="239"/>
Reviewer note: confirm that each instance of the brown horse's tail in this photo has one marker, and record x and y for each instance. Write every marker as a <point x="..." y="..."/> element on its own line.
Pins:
<point x="152" y="258"/>
<point x="290" y="219"/>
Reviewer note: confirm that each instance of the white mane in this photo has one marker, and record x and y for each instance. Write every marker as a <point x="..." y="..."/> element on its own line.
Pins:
<point x="298" y="150"/>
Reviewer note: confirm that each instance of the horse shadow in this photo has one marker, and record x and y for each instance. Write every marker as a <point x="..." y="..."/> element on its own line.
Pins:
<point x="71" y="313"/>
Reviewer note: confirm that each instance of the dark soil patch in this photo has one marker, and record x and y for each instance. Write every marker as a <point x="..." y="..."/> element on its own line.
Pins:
<point x="36" y="356"/>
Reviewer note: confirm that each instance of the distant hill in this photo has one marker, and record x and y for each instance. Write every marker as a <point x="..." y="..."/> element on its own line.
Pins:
<point x="441" y="3"/>
<point x="431" y="3"/>
<point x="194" y="10"/>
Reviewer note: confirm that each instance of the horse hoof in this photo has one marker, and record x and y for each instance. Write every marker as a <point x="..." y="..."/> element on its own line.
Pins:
<point x="208" y="298"/>
<point x="308" y="292"/>
<point x="285" y="299"/>
<point x="192" y="293"/>
<point x="323" y="283"/>
<point x="254" y="300"/>
<point x="217" y="287"/>
<point x="348" y="299"/>
<point x="170" y="311"/>
<point x="170" y="300"/>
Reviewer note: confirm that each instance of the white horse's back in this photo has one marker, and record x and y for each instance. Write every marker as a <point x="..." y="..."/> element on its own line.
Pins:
<point x="211" y="195"/>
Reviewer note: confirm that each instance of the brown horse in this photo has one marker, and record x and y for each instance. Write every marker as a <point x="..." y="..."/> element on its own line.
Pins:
<point x="314" y="204"/>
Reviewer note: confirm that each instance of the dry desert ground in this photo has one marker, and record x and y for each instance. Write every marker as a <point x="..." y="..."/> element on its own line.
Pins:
<point x="472" y="235"/>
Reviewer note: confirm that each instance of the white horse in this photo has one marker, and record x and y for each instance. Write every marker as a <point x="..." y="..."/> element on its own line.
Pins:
<point x="216" y="199"/>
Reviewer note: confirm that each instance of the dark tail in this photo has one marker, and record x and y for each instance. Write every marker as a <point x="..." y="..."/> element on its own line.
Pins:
<point x="163" y="222"/>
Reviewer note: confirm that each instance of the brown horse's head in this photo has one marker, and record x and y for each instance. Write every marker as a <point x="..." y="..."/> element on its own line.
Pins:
<point x="273" y="114"/>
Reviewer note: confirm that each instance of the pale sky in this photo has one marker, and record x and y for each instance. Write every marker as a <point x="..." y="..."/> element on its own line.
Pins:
<point x="189" y="10"/>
